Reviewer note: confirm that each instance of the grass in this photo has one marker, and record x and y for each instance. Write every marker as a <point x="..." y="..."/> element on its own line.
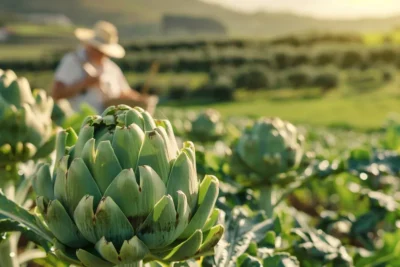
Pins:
<point x="193" y="80"/>
<point x="366" y="111"/>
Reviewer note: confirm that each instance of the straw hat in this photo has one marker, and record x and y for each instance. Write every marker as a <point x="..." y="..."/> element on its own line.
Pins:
<point x="104" y="37"/>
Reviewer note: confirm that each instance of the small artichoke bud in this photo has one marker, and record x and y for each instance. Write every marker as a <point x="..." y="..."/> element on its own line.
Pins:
<point x="207" y="126"/>
<point x="25" y="120"/>
<point x="269" y="147"/>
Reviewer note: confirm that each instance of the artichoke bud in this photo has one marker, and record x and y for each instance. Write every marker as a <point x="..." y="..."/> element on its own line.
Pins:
<point x="207" y="126"/>
<point x="268" y="148"/>
<point x="122" y="193"/>
<point x="25" y="118"/>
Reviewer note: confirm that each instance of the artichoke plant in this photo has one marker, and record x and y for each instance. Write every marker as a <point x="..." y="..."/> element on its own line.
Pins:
<point x="122" y="193"/>
<point x="270" y="147"/>
<point x="25" y="122"/>
<point x="207" y="126"/>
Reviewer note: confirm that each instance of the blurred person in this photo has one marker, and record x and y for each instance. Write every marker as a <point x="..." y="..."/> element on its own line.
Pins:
<point x="88" y="75"/>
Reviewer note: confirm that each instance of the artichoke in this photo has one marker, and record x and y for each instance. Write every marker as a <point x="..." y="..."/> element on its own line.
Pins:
<point x="269" y="147"/>
<point x="25" y="121"/>
<point x="207" y="126"/>
<point x="122" y="193"/>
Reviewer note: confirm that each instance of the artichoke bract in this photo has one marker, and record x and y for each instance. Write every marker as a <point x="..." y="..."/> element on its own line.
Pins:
<point x="25" y="121"/>
<point x="207" y="126"/>
<point x="271" y="146"/>
<point x="122" y="192"/>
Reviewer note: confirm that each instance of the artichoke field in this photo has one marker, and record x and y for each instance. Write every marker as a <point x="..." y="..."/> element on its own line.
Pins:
<point x="120" y="189"/>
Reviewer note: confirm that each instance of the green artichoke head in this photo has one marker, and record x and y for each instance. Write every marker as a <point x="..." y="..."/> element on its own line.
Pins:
<point x="122" y="191"/>
<point x="270" y="147"/>
<point x="25" y="120"/>
<point x="207" y="126"/>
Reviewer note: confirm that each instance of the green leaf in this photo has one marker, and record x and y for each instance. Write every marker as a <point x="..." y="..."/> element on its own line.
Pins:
<point x="20" y="215"/>
<point x="281" y="260"/>
<point x="89" y="259"/>
<point x="246" y="260"/>
<point x="186" y="249"/>
<point x="62" y="226"/>
<point x="240" y="231"/>
<point x="7" y="226"/>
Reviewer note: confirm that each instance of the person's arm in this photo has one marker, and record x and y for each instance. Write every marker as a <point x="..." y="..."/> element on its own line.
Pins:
<point x="68" y="81"/>
<point x="127" y="92"/>
<point x="61" y="90"/>
<point x="133" y="95"/>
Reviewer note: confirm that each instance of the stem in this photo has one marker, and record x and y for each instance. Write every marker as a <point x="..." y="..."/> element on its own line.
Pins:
<point x="266" y="202"/>
<point x="28" y="255"/>
<point x="134" y="264"/>
<point x="8" y="247"/>
<point x="8" y="252"/>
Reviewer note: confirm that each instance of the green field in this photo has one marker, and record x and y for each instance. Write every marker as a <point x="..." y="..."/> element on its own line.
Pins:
<point x="343" y="107"/>
<point x="366" y="111"/>
<point x="284" y="187"/>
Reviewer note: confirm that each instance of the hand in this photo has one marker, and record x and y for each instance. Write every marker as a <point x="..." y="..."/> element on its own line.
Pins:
<point x="143" y="98"/>
<point x="90" y="81"/>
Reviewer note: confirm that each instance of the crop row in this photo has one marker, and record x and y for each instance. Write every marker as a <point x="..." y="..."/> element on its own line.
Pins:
<point x="203" y="60"/>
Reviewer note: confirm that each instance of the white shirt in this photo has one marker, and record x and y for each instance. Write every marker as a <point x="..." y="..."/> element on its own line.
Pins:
<point x="112" y="79"/>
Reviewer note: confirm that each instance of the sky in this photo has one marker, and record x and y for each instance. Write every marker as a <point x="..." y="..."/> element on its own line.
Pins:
<point x="348" y="9"/>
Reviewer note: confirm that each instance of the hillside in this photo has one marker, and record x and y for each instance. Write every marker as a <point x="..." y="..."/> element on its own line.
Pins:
<point x="142" y="17"/>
